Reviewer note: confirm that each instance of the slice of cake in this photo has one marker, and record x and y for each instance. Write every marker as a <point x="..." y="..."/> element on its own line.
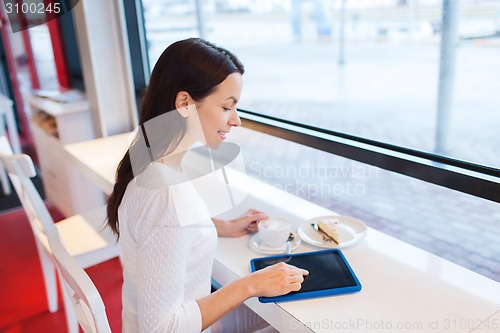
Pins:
<point x="329" y="227"/>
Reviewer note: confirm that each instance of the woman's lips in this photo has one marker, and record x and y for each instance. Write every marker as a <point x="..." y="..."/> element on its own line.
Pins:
<point x="222" y="134"/>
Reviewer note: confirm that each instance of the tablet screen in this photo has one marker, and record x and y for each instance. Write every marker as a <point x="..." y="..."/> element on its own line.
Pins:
<point x="329" y="272"/>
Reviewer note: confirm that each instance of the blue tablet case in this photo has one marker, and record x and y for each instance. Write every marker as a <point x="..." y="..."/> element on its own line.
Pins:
<point x="329" y="274"/>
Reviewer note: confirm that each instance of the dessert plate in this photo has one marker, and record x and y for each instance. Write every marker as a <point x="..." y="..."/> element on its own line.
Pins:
<point x="351" y="231"/>
<point x="256" y="245"/>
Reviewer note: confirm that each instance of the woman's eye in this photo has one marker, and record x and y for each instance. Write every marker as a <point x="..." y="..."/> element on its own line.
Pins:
<point x="227" y="109"/>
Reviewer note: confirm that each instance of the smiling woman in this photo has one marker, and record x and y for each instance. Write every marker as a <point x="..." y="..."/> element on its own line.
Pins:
<point x="167" y="235"/>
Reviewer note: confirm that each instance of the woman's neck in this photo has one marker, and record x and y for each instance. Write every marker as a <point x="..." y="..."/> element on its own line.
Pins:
<point x="174" y="159"/>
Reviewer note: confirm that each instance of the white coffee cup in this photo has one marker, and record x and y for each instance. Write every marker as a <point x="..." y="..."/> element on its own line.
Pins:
<point x="274" y="232"/>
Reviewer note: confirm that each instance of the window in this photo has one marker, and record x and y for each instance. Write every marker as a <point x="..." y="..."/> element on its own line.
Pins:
<point x="388" y="87"/>
<point x="44" y="57"/>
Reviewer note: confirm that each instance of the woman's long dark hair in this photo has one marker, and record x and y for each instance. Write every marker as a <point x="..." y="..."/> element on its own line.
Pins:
<point x="193" y="65"/>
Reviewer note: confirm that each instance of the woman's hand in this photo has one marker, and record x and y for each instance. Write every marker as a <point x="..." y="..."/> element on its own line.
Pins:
<point x="276" y="280"/>
<point x="271" y="281"/>
<point x="247" y="223"/>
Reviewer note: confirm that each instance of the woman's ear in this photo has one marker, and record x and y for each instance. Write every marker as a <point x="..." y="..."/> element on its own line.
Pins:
<point x="181" y="103"/>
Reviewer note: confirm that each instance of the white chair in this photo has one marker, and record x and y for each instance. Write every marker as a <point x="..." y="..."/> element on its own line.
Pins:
<point x="81" y="291"/>
<point x="85" y="236"/>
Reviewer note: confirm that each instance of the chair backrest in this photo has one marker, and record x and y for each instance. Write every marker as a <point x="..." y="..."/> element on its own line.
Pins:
<point x="20" y="169"/>
<point x="85" y="298"/>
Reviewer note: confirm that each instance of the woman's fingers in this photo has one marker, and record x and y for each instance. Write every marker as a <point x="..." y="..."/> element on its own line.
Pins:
<point x="254" y="211"/>
<point x="295" y="286"/>
<point x="297" y="278"/>
<point x="257" y="214"/>
<point x="252" y="227"/>
<point x="281" y="279"/>
<point x="257" y="217"/>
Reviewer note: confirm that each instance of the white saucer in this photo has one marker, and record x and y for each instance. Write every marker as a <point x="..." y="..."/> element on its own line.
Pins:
<point x="351" y="231"/>
<point x="256" y="245"/>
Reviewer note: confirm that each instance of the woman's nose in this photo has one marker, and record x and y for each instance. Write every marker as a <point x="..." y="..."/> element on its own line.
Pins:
<point x="234" y="120"/>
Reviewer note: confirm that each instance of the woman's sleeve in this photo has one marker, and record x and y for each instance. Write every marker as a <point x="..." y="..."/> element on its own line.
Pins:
<point x="164" y="256"/>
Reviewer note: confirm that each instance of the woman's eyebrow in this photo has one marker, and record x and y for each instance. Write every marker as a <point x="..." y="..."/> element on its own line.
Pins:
<point x="234" y="99"/>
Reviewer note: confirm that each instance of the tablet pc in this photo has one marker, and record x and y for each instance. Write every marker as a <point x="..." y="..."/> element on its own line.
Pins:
<point x="329" y="274"/>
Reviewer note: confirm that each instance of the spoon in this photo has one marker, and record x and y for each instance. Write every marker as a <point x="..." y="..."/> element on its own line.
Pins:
<point x="288" y="247"/>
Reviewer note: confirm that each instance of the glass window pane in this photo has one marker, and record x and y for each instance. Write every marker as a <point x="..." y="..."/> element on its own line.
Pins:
<point x="367" y="68"/>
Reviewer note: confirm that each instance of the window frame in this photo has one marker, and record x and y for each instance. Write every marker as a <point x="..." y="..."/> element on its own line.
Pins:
<point x="139" y="57"/>
<point x="469" y="178"/>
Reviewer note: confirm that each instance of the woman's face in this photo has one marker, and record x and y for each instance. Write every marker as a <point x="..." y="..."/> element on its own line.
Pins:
<point x="217" y="111"/>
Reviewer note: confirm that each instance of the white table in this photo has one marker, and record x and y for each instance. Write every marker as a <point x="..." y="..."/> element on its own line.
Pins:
<point x="404" y="288"/>
<point x="98" y="159"/>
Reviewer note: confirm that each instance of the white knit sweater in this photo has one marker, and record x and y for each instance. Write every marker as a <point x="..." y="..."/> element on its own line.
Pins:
<point x="168" y="242"/>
